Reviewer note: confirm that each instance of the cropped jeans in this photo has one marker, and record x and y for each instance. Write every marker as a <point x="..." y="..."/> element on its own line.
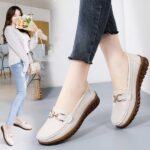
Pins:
<point x="21" y="80"/>
<point x="95" y="19"/>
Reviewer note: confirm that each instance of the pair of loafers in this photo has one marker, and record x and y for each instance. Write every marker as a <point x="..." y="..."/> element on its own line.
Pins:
<point x="60" y="125"/>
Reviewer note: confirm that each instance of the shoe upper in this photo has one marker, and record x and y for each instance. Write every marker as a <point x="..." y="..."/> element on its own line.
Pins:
<point x="124" y="100"/>
<point x="8" y="136"/>
<point x="23" y="124"/>
<point x="54" y="123"/>
<point x="59" y="122"/>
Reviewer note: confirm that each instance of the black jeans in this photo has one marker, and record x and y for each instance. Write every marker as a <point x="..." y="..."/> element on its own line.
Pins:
<point x="95" y="19"/>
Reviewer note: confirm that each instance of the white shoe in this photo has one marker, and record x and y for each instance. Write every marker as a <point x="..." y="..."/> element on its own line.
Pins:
<point x="23" y="124"/>
<point x="7" y="136"/>
<point x="60" y="125"/>
<point x="126" y="103"/>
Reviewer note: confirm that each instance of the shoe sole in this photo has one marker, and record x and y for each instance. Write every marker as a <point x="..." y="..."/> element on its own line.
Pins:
<point x="87" y="111"/>
<point x="21" y="127"/>
<point x="4" y="136"/>
<point x="141" y="74"/>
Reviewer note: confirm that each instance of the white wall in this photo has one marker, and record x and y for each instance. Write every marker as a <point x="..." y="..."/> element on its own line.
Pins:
<point x="137" y="31"/>
<point x="64" y="15"/>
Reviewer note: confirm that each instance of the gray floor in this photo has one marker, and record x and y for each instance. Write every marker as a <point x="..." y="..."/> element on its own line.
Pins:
<point x="96" y="133"/>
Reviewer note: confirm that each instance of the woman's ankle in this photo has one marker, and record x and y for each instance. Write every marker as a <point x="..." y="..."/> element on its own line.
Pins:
<point x="119" y="72"/>
<point x="68" y="102"/>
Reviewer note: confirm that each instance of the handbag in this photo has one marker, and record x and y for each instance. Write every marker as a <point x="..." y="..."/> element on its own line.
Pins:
<point x="34" y="66"/>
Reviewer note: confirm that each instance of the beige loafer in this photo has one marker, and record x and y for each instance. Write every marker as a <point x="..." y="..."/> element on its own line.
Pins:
<point x="60" y="126"/>
<point x="7" y="137"/>
<point x="126" y="103"/>
<point x="23" y="124"/>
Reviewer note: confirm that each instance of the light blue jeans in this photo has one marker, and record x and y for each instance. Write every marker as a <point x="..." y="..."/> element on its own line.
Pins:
<point x="21" y="80"/>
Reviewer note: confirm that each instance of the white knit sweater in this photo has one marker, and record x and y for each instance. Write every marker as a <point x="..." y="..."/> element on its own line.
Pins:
<point x="19" y="44"/>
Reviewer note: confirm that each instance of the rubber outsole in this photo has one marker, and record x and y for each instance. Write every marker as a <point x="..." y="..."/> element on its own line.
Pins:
<point x="21" y="127"/>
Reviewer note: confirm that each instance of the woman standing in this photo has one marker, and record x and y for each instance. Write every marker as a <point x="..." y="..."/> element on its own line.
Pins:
<point x="19" y="44"/>
<point x="96" y="25"/>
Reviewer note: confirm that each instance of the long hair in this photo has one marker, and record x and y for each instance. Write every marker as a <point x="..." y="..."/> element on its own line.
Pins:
<point x="8" y="21"/>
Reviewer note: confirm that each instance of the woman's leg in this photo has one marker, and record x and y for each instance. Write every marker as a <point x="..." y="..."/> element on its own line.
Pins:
<point x="20" y="80"/>
<point x="93" y="17"/>
<point x="20" y="110"/>
<point x="21" y="93"/>
<point x="74" y="85"/>
<point x="116" y="59"/>
<point x="19" y="121"/>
